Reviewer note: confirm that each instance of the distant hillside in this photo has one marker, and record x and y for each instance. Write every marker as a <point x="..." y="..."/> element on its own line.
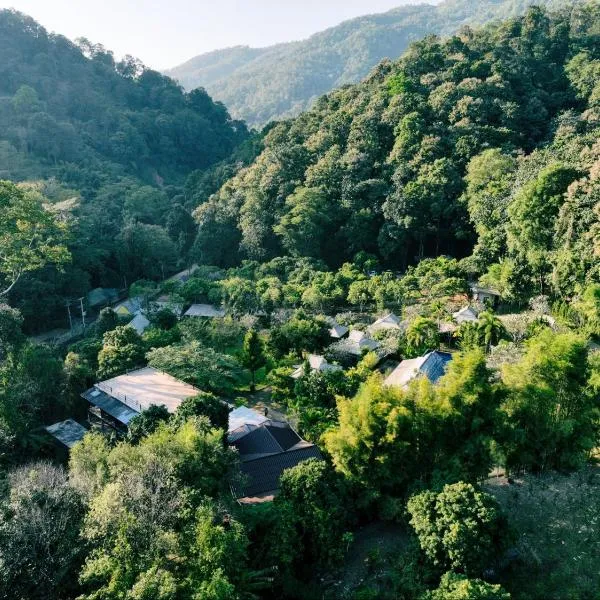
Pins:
<point x="425" y="157"/>
<point x="280" y="81"/>
<point x="73" y="112"/>
<point x="111" y="143"/>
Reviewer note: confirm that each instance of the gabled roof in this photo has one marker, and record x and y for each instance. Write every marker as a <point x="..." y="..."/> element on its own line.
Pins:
<point x="140" y="323"/>
<point x="271" y="437"/>
<point x="362" y="341"/>
<point x="466" y="315"/>
<point x="338" y="331"/>
<point x="356" y="343"/>
<point x="129" y="306"/>
<point x="244" y="416"/>
<point x="389" y="321"/>
<point x="266" y="448"/>
<point x="204" y="310"/>
<point x="432" y="365"/>
<point x="316" y="363"/>
<point x="67" y="432"/>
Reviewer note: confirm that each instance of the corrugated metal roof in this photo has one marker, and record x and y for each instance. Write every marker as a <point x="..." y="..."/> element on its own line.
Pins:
<point x="204" y="310"/>
<point x="111" y="406"/>
<point x="140" y="323"/>
<point x="67" y="432"/>
<point x="258" y="442"/>
<point x="435" y="365"/>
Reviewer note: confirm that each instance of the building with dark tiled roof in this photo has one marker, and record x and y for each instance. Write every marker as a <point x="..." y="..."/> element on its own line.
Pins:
<point x="266" y="450"/>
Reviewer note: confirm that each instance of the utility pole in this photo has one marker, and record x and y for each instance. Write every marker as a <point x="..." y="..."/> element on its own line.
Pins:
<point x="82" y="312"/>
<point x="69" y="312"/>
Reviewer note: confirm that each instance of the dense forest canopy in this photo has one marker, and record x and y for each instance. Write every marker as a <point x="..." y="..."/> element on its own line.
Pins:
<point x="109" y="144"/>
<point x="474" y="140"/>
<point x="70" y="107"/>
<point x="403" y="281"/>
<point x="261" y="84"/>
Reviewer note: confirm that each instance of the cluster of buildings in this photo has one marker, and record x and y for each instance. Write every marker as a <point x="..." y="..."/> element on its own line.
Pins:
<point x="266" y="447"/>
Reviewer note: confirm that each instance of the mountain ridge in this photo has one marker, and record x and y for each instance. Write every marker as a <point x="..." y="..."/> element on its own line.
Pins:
<point x="280" y="81"/>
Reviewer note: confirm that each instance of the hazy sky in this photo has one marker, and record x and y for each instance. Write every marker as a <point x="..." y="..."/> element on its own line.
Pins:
<point x="164" y="33"/>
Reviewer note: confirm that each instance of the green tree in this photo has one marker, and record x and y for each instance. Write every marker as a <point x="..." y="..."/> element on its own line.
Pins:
<point x="491" y="329"/>
<point x="303" y="228"/>
<point x="107" y="321"/>
<point x="198" y="365"/>
<point x="300" y="333"/>
<point x="151" y="525"/>
<point x="206" y="405"/>
<point x="122" y="350"/>
<point x="146" y="252"/>
<point x="489" y="182"/>
<point x="359" y="294"/>
<point x="88" y="464"/>
<point x="239" y="296"/>
<point x="458" y="587"/>
<point x="532" y="216"/>
<point x="146" y="422"/>
<point x="459" y="528"/>
<point x="549" y="410"/>
<point x="380" y="438"/>
<point x="253" y="355"/>
<point x="422" y="335"/>
<point x="40" y="546"/>
<point x="11" y="333"/>
<point x="31" y="236"/>
<point x="164" y="319"/>
<point x="468" y="418"/>
<point x="314" y="501"/>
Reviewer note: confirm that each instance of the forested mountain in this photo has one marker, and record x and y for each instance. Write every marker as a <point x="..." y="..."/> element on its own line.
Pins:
<point x="109" y="144"/>
<point x="261" y="84"/>
<point x="409" y="273"/>
<point x="460" y="140"/>
<point x="74" y="112"/>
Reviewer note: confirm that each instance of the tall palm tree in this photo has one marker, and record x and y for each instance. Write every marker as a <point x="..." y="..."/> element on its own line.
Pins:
<point x="421" y="335"/>
<point x="491" y="329"/>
